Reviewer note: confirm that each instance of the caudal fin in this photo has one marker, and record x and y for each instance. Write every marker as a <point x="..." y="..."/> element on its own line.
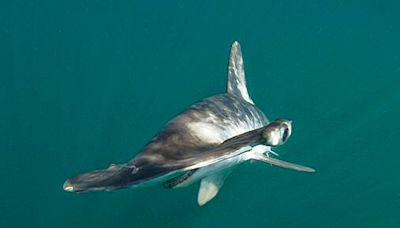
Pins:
<point x="115" y="176"/>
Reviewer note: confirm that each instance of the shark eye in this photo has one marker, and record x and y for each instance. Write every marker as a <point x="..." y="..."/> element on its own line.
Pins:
<point x="285" y="134"/>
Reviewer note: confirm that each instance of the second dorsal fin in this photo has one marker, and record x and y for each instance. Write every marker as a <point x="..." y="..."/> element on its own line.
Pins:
<point x="236" y="77"/>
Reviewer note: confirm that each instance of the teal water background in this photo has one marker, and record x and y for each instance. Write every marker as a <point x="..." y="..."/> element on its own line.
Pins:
<point x="87" y="83"/>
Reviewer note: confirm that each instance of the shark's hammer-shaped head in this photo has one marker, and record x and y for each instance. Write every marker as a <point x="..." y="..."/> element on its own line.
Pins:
<point x="277" y="132"/>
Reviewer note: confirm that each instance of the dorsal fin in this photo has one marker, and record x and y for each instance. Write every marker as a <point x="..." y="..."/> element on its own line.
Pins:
<point x="236" y="77"/>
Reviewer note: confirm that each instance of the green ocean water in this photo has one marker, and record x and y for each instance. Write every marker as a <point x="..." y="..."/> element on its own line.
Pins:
<point x="87" y="83"/>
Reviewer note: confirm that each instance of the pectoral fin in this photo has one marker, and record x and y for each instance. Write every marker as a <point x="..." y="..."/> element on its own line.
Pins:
<point x="283" y="164"/>
<point x="210" y="186"/>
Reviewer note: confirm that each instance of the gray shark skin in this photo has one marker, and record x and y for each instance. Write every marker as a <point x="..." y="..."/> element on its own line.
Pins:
<point x="202" y="143"/>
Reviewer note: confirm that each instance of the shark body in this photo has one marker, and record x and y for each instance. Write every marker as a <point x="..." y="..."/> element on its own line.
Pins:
<point x="203" y="143"/>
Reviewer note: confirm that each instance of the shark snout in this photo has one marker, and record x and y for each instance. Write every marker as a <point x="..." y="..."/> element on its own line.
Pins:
<point x="68" y="186"/>
<point x="277" y="132"/>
